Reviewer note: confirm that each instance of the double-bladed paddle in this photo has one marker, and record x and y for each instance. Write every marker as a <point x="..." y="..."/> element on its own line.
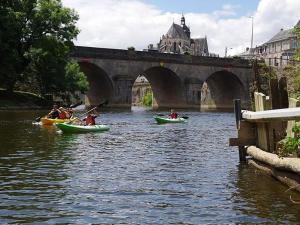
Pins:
<point x="38" y="119"/>
<point x="83" y="114"/>
<point x="101" y="104"/>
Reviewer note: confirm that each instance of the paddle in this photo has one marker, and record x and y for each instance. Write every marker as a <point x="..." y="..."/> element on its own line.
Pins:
<point x="101" y="104"/>
<point x="184" y="117"/>
<point x="38" y="119"/>
<point x="75" y="105"/>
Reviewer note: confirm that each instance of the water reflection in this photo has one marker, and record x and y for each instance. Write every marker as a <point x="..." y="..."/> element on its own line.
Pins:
<point x="262" y="196"/>
<point x="137" y="173"/>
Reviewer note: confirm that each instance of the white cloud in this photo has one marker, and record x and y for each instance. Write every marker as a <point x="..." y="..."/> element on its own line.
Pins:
<point x="124" y="23"/>
<point x="227" y="10"/>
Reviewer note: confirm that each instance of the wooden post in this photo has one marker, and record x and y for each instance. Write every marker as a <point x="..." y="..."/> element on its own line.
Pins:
<point x="292" y="104"/>
<point x="279" y="98"/>
<point x="238" y="117"/>
<point x="237" y="112"/>
<point x="275" y="94"/>
<point x="262" y="129"/>
<point x="284" y="99"/>
<point x="242" y="153"/>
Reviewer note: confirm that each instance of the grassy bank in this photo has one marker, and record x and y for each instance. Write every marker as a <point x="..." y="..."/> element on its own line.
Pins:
<point x="21" y="100"/>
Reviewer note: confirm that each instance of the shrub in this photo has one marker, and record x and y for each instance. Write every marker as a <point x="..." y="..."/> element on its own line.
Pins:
<point x="147" y="99"/>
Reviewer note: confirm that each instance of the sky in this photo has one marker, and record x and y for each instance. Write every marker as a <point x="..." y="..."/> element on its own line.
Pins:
<point x="201" y="6"/>
<point x="226" y="23"/>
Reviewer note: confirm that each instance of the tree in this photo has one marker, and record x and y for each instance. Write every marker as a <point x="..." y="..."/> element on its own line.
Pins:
<point x="292" y="71"/>
<point x="131" y="48"/>
<point x="263" y="75"/>
<point x="37" y="37"/>
<point x="11" y="62"/>
<point x="297" y="51"/>
<point x="147" y="99"/>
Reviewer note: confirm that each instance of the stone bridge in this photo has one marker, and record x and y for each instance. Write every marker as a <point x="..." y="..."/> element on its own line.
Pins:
<point x="177" y="81"/>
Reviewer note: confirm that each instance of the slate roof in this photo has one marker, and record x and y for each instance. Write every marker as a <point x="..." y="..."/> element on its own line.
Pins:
<point x="282" y="35"/>
<point x="177" y="31"/>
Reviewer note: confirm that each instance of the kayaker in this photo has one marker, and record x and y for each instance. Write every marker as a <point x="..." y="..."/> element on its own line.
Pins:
<point x="173" y="114"/>
<point x="90" y="119"/>
<point x="69" y="113"/>
<point x="54" y="113"/>
<point x="62" y="114"/>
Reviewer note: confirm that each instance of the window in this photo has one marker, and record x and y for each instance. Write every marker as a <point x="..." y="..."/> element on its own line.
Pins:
<point x="275" y="62"/>
<point x="293" y="44"/>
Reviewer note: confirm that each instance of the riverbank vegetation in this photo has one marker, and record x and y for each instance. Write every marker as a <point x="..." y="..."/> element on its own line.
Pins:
<point x="292" y="71"/>
<point x="147" y="99"/>
<point x="21" y="100"/>
<point x="35" y="44"/>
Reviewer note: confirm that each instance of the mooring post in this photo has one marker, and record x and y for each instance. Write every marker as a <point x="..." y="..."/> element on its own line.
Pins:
<point x="238" y="118"/>
<point x="242" y="153"/>
<point x="237" y="112"/>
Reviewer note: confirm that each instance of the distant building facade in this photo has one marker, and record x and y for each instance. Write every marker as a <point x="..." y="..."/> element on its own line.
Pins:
<point x="141" y="87"/>
<point x="278" y="51"/>
<point x="178" y="41"/>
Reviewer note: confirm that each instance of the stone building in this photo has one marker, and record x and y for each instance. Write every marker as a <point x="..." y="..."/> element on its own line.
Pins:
<point x="178" y="41"/>
<point x="140" y="88"/>
<point x="277" y="51"/>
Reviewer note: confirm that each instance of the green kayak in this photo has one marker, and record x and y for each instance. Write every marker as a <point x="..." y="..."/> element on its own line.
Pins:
<point x="72" y="128"/>
<point x="162" y="120"/>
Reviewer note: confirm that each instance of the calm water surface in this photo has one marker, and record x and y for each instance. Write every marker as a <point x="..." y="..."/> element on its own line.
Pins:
<point x="137" y="173"/>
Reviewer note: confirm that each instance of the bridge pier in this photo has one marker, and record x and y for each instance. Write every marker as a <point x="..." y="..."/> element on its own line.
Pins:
<point x="193" y="93"/>
<point x="122" y="92"/>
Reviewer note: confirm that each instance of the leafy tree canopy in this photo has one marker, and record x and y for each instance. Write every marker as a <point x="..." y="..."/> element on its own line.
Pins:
<point x="292" y="72"/>
<point x="36" y="36"/>
<point x="297" y="51"/>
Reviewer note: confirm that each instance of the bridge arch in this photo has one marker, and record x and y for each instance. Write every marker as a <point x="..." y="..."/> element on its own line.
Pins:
<point x="219" y="90"/>
<point x="167" y="88"/>
<point x="100" y="85"/>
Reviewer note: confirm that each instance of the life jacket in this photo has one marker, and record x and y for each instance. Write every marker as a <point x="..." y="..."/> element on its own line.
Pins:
<point x="90" y="120"/>
<point x="62" y="115"/>
<point x="173" y="115"/>
<point x="54" y="114"/>
<point x="69" y="113"/>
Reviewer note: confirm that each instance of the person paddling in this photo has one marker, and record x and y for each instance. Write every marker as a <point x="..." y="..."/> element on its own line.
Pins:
<point x="90" y="119"/>
<point x="173" y="114"/>
<point x="54" y="113"/>
<point x="70" y="113"/>
<point x="62" y="114"/>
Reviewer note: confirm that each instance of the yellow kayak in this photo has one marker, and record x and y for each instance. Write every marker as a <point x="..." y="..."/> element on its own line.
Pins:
<point x="48" y="121"/>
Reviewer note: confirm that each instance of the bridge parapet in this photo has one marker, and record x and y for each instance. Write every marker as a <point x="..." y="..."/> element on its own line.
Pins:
<point x="106" y="53"/>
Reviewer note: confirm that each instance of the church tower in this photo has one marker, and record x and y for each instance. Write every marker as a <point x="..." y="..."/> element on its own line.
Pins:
<point x="182" y="20"/>
<point x="185" y="28"/>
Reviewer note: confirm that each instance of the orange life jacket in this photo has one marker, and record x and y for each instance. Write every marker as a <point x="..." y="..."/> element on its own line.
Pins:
<point x="62" y="115"/>
<point x="90" y="120"/>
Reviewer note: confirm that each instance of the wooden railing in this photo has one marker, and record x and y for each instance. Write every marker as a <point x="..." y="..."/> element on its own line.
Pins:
<point x="263" y="127"/>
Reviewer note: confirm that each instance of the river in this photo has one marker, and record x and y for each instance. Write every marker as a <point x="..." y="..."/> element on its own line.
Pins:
<point x="137" y="173"/>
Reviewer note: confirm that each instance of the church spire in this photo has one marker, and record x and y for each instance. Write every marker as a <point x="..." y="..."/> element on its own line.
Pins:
<point x="182" y="20"/>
